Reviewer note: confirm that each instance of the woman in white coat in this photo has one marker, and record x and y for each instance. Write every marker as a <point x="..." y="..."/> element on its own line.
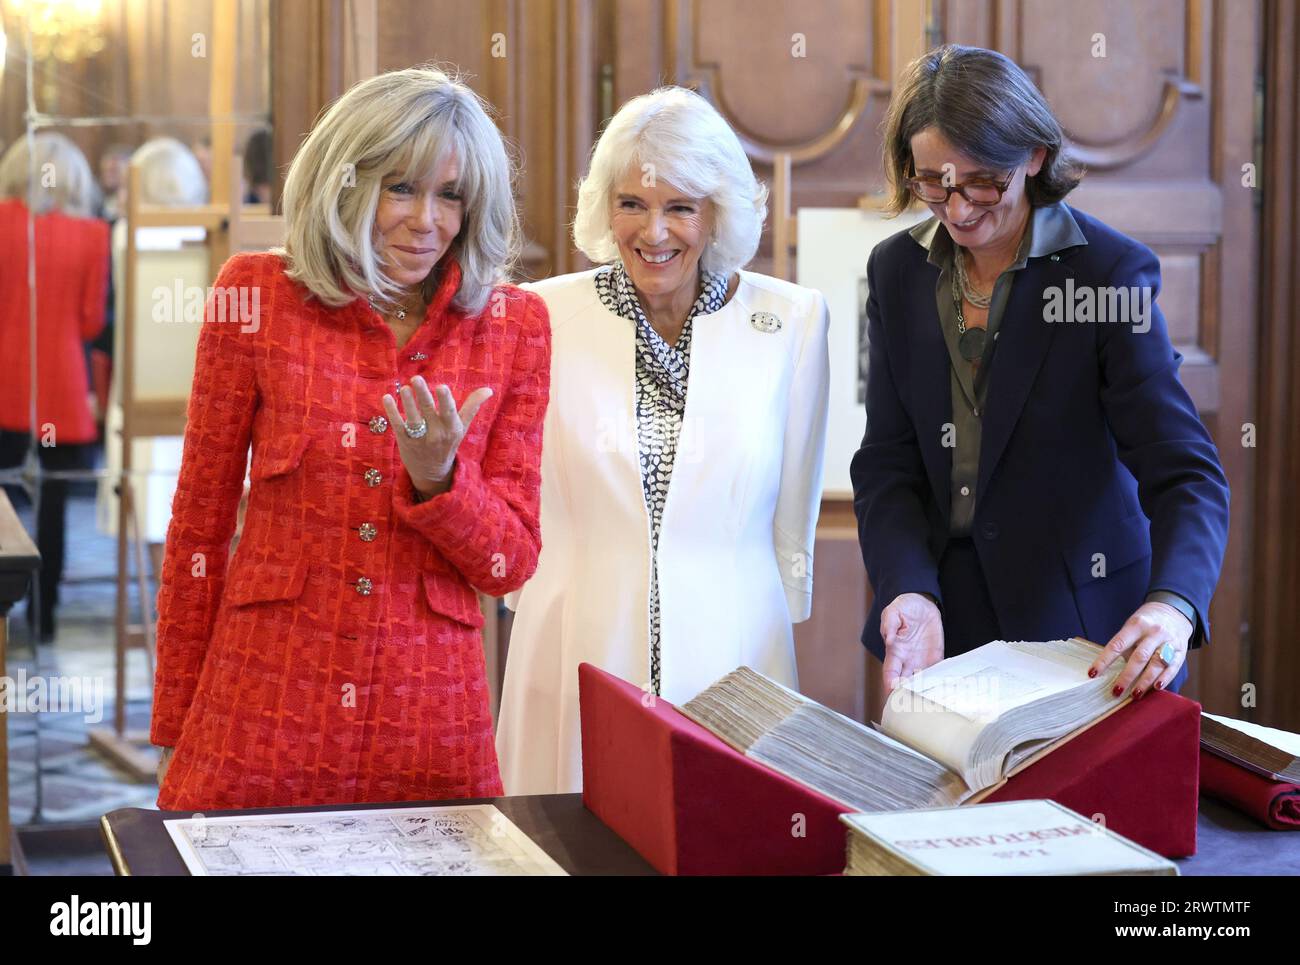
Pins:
<point x="682" y="456"/>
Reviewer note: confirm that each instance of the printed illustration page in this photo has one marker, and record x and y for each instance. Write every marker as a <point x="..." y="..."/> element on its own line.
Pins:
<point x="474" y="839"/>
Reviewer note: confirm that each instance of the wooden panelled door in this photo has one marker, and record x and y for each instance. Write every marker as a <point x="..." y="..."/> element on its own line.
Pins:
<point x="1157" y="98"/>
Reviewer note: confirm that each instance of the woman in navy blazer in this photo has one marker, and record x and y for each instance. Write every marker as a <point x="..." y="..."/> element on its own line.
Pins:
<point x="1032" y="468"/>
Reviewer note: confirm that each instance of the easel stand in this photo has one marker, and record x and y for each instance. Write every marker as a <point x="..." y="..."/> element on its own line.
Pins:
<point x="228" y="229"/>
<point x="19" y="559"/>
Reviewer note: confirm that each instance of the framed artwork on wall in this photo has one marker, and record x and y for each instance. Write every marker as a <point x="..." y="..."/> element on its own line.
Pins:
<point x="833" y="245"/>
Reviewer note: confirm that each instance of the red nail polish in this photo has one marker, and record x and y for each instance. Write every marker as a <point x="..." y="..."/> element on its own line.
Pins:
<point x="1092" y="672"/>
<point x="1160" y="685"/>
<point x="1137" y="694"/>
<point x="1117" y="690"/>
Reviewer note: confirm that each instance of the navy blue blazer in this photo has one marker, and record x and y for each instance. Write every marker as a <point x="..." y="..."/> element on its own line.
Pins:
<point x="1090" y="444"/>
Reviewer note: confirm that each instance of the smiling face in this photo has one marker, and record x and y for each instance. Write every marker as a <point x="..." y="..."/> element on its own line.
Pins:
<point x="416" y="222"/>
<point x="973" y="226"/>
<point x="661" y="233"/>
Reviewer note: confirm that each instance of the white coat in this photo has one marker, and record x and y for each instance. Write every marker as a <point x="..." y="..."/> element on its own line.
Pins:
<point x="736" y="544"/>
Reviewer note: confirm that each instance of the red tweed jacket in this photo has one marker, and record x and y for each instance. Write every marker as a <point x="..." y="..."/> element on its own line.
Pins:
<point x="71" y="293"/>
<point x="337" y="657"/>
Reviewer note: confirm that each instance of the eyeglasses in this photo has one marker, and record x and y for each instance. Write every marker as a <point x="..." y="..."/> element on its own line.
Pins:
<point x="981" y="191"/>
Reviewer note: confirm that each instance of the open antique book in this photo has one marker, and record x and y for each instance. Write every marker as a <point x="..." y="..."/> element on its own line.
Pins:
<point x="1266" y="751"/>
<point x="949" y="734"/>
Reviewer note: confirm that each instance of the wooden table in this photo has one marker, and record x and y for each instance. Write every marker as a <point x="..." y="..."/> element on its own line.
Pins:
<point x="1228" y="843"/>
<point x="138" y="844"/>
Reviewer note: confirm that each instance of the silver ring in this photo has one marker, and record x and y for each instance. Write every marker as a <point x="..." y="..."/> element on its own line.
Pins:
<point x="416" y="430"/>
<point x="1167" y="654"/>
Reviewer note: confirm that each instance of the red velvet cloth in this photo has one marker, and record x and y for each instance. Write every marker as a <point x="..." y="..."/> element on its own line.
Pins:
<point x="689" y="804"/>
<point x="1137" y="768"/>
<point x="1273" y="803"/>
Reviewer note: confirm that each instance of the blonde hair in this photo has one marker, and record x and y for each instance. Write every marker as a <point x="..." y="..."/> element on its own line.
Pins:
<point x="404" y="122"/>
<point x="72" y="189"/>
<point x="688" y="145"/>
<point x="169" y="173"/>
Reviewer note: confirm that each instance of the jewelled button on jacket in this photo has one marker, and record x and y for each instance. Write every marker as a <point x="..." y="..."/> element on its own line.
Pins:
<point x="336" y="658"/>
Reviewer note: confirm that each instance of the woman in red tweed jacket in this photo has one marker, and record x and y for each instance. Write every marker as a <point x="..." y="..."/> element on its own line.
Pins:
<point x="337" y="658"/>
<point x="71" y="259"/>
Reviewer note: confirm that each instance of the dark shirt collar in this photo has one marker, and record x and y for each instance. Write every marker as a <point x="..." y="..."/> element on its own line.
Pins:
<point x="1051" y="229"/>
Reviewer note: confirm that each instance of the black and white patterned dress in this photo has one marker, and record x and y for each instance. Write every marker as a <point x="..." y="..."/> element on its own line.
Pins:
<point x="662" y="373"/>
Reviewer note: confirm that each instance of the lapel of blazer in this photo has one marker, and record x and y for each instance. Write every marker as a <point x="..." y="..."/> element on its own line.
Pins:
<point x="930" y="378"/>
<point x="1023" y="340"/>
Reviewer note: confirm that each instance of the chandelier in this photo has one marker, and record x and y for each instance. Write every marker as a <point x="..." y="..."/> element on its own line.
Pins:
<point x="64" y="30"/>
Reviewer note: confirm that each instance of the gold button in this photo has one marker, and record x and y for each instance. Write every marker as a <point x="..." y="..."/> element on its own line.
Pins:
<point x="368" y="532"/>
<point x="364" y="586"/>
<point x="373" y="477"/>
<point x="378" y="425"/>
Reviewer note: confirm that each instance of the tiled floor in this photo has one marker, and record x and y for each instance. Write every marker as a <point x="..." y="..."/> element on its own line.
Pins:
<point x="56" y="779"/>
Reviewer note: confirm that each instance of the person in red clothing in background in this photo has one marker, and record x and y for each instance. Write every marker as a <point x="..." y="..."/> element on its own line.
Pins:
<point x="51" y="184"/>
<point x="392" y="390"/>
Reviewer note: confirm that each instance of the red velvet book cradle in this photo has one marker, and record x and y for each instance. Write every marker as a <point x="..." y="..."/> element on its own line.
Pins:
<point x="691" y="804"/>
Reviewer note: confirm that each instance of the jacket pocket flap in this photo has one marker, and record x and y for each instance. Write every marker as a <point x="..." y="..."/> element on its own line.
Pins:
<point x="280" y="455"/>
<point x="452" y="598"/>
<point x="1108" y="549"/>
<point x="264" y="580"/>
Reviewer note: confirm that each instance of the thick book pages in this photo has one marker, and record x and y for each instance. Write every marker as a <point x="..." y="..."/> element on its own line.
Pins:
<point x="1007" y="838"/>
<point x="853" y="764"/>
<point x="1266" y="751"/>
<point x="983" y="712"/>
<point x="952" y="734"/>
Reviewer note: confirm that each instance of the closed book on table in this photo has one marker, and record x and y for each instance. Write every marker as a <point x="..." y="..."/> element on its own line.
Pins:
<point x="1004" y="839"/>
<point x="1254" y="769"/>
<point x="692" y="804"/>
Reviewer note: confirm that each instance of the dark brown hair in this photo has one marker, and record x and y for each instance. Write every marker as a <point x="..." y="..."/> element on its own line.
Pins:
<point x="986" y="107"/>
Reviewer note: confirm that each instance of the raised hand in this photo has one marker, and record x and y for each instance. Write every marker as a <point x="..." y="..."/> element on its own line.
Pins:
<point x="431" y="432"/>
